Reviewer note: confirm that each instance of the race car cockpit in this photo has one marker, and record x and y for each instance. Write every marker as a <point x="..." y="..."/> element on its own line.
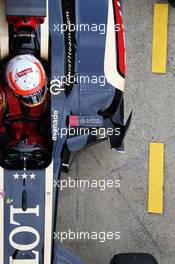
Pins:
<point x="25" y="109"/>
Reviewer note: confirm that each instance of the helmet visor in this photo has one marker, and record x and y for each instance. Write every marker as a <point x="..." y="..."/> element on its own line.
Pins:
<point x="34" y="99"/>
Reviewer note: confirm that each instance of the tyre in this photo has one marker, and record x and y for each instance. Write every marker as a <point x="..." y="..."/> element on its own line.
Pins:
<point x="133" y="258"/>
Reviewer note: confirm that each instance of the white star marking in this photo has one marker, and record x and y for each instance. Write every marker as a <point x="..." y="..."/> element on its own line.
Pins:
<point x="32" y="176"/>
<point x="24" y="176"/>
<point x="16" y="176"/>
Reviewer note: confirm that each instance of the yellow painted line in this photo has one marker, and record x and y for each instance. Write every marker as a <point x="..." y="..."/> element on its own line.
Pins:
<point x="160" y="35"/>
<point x="156" y="178"/>
<point x="1" y="217"/>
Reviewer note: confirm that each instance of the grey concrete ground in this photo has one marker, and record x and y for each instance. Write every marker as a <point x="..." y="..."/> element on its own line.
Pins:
<point x="152" y="98"/>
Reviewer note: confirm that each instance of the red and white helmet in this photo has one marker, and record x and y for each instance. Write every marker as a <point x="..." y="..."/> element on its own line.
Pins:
<point x="27" y="79"/>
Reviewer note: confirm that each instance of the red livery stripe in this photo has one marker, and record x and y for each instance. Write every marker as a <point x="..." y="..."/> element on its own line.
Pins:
<point x="120" y="38"/>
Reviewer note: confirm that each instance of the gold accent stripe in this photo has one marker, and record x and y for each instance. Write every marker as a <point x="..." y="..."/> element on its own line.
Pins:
<point x="48" y="215"/>
<point x="160" y="34"/>
<point x="4" y="32"/>
<point x="45" y="36"/>
<point x="156" y="178"/>
<point x="1" y="217"/>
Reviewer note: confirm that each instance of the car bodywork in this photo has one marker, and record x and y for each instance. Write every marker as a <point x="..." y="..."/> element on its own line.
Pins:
<point x="29" y="197"/>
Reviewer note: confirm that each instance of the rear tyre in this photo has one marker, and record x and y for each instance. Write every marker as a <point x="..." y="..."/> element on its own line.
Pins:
<point x="133" y="258"/>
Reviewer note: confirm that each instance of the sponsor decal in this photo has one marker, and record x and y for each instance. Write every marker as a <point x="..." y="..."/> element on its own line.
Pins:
<point x="9" y="201"/>
<point x="24" y="72"/>
<point x="19" y="229"/>
<point x="87" y="121"/>
<point x="55" y="125"/>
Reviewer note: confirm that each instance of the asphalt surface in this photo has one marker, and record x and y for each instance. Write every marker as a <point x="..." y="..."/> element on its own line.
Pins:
<point x="124" y="209"/>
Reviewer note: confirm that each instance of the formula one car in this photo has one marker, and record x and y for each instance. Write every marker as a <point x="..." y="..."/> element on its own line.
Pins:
<point x="84" y="57"/>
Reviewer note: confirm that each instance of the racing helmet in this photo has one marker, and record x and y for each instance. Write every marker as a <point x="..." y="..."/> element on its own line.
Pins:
<point x="26" y="79"/>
